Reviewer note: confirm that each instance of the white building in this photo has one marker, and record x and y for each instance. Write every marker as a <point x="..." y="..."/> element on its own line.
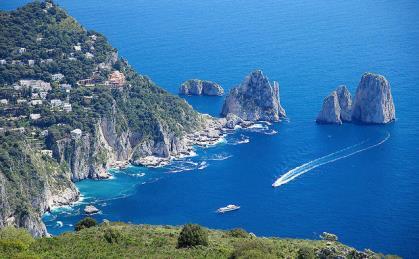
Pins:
<point x="56" y="103"/>
<point x="34" y="116"/>
<point x="3" y="62"/>
<point x="77" y="48"/>
<point x="4" y="102"/>
<point x="36" y="102"/>
<point x="89" y="55"/>
<point x="57" y="77"/>
<point x="65" y="86"/>
<point x="21" y="101"/>
<point x="36" y="85"/>
<point x="75" y="134"/>
<point x="46" y="152"/>
<point x="22" y="50"/>
<point x="67" y="107"/>
<point x="35" y="96"/>
<point x="31" y="62"/>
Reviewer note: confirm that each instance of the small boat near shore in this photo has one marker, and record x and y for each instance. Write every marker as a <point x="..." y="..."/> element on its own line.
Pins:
<point x="228" y="208"/>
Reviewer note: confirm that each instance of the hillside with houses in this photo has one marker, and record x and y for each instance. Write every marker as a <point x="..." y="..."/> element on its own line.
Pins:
<point x="70" y="108"/>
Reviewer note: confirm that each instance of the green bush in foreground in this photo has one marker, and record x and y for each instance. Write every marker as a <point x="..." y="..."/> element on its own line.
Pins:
<point x="112" y="235"/>
<point x="306" y="253"/>
<point x="192" y="235"/>
<point x="13" y="240"/>
<point x="239" y="233"/>
<point x="85" y="223"/>
<point x="253" y="249"/>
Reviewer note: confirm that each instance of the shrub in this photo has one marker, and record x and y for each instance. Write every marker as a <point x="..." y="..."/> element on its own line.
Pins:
<point x="329" y="237"/>
<point x="238" y="233"/>
<point x="192" y="235"/>
<point x="306" y="253"/>
<point x="85" y="223"/>
<point x="12" y="233"/>
<point x="112" y="235"/>
<point x="253" y="249"/>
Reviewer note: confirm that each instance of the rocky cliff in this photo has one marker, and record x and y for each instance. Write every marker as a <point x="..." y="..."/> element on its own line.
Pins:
<point x="201" y="87"/>
<point x="373" y="103"/>
<point x="32" y="185"/>
<point x="373" y="100"/>
<point x="255" y="99"/>
<point x="336" y="107"/>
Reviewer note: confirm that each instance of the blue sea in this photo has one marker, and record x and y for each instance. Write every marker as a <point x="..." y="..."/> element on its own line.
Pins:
<point x="359" y="182"/>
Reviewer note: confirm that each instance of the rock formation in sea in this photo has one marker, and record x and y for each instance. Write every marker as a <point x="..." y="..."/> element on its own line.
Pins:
<point x="255" y="99"/>
<point x="201" y="87"/>
<point x="336" y="107"/>
<point x="373" y="101"/>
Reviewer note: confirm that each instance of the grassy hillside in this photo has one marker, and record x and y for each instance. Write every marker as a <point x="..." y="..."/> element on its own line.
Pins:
<point x="117" y="240"/>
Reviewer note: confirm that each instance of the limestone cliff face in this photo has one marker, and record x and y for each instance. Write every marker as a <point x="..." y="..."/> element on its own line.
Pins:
<point x="330" y="112"/>
<point x="345" y="103"/>
<point x="373" y="103"/>
<point x="255" y="99"/>
<point x="201" y="87"/>
<point x="336" y="107"/>
<point x="373" y="100"/>
<point x="44" y="186"/>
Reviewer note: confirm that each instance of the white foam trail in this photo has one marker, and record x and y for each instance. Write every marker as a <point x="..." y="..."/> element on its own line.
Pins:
<point x="302" y="169"/>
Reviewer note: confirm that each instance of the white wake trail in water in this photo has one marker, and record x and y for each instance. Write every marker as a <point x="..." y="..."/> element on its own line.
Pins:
<point x="338" y="155"/>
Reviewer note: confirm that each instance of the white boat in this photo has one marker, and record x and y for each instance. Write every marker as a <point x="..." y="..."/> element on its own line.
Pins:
<point x="228" y="208"/>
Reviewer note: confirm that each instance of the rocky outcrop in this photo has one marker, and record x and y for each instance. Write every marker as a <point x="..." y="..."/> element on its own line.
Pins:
<point x="336" y="107"/>
<point x="44" y="186"/>
<point x="373" y="103"/>
<point x="345" y="103"/>
<point x="330" y="112"/>
<point x="201" y="87"/>
<point x="255" y="99"/>
<point x="373" y="100"/>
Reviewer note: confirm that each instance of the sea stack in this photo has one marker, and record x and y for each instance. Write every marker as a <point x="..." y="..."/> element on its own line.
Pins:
<point x="254" y="99"/>
<point x="336" y="107"/>
<point x="201" y="87"/>
<point x="373" y="102"/>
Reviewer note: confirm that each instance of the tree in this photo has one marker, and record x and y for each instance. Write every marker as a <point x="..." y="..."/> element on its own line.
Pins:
<point x="192" y="235"/>
<point x="85" y="223"/>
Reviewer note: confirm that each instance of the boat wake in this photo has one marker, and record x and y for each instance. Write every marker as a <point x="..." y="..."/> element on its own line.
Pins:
<point x="335" y="156"/>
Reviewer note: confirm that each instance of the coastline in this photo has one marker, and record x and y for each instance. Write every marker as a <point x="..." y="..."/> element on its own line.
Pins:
<point x="212" y="134"/>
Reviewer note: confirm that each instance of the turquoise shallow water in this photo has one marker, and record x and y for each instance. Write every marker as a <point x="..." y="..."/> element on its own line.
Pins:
<point x="369" y="199"/>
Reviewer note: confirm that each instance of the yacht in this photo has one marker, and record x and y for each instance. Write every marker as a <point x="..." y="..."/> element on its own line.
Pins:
<point x="228" y="208"/>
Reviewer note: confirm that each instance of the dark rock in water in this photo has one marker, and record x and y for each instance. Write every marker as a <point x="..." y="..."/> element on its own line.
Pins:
<point x="201" y="87"/>
<point x="255" y="99"/>
<point x="373" y="100"/>
<point x="336" y="107"/>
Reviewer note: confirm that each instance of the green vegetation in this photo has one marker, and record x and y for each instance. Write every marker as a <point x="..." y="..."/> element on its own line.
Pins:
<point x="37" y="41"/>
<point x="118" y="240"/>
<point x="192" y="235"/>
<point x="85" y="223"/>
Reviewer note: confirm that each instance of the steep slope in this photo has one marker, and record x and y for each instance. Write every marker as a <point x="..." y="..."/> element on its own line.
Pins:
<point x="90" y="110"/>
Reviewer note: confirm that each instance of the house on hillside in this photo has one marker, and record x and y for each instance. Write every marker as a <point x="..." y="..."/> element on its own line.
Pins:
<point x="116" y="78"/>
<point x="35" y="116"/>
<point x="76" y="134"/>
<point x="57" y="77"/>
